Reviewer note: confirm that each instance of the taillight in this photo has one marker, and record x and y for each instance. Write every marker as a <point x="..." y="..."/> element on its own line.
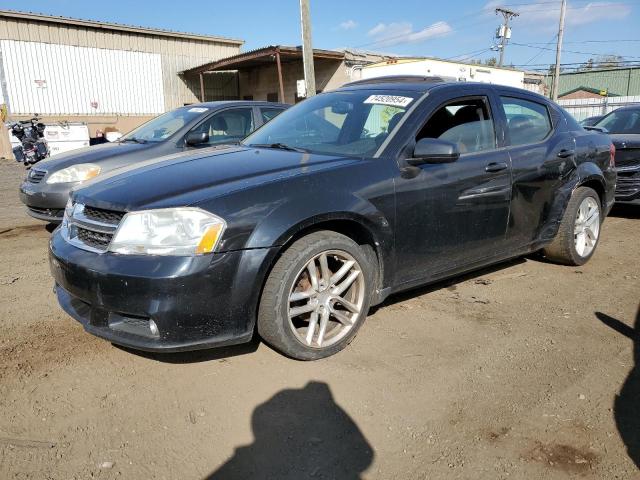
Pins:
<point x="612" y="155"/>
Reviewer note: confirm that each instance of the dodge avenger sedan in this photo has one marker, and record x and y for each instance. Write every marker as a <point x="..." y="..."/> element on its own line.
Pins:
<point x="340" y="201"/>
<point x="46" y="188"/>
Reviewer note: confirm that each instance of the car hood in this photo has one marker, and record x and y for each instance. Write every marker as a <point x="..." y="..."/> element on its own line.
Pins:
<point x="189" y="178"/>
<point x="625" y="140"/>
<point x="106" y="155"/>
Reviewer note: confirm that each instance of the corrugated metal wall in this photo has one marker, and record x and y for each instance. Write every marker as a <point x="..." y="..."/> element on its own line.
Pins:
<point x="176" y="53"/>
<point x="623" y="81"/>
<point x="54" y="79"/>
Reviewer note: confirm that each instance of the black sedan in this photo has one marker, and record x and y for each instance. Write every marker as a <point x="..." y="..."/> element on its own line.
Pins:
<point x="340" y="201"/>
<point x="46" y="188"/>
<point x="623" y="124"/>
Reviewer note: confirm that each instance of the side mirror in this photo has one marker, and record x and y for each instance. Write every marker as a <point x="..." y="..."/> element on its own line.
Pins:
<point x="196" y="138"/>
<point x="433" y="150"/>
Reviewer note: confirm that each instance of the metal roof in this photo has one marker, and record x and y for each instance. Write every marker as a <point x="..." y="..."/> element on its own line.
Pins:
<point x="39" y="17"/>
<point x="262" y="56"/>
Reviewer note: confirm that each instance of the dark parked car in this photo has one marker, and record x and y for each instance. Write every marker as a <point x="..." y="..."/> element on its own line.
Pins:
<point x="46" y="188"/>
<point x="623" y="125"/>
<point x="590" y="121"/>
<point x="340" y="201"/>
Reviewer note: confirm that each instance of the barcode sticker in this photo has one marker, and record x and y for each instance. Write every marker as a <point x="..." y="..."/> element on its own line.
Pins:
<point x="393" y="100"/>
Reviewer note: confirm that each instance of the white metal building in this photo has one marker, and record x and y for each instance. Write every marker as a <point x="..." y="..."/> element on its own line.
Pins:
<point x="457" y="71"/>
<point x="105" y="74"/>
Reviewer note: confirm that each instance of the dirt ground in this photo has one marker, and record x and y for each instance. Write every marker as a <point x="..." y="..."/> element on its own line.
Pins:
<point x="523" y="371"/>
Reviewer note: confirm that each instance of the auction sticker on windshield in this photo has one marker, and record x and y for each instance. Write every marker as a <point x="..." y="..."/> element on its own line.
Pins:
<point x="198" y="109"/>
<point x="393" y="100"/>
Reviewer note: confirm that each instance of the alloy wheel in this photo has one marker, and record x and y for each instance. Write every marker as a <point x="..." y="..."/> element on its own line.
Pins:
<point x="326" y="299"/>
<point x="587" y="227"/>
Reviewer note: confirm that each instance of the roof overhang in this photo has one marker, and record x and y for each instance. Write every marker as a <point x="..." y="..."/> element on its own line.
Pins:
<point x="262" y="57"/>
<point x="39" y="17"/>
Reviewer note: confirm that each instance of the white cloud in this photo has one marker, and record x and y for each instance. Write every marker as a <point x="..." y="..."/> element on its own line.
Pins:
<point x="348" y="25"/>
<point x="396" y="33"/>
<point x="543" y="13"/>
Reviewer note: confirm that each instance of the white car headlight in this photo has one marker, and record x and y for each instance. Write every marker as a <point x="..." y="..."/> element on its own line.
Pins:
<point x="75" y="173"/>
<point x="168" y="231"/>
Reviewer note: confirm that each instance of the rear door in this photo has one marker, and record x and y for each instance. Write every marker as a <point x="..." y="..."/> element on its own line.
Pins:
<point x="453" y="214"/>
<point x="542" y="153"/>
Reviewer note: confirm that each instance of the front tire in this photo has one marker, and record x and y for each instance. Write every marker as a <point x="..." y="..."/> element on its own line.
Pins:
<point x="579" y="232"/>
<point x="316" y="296"/>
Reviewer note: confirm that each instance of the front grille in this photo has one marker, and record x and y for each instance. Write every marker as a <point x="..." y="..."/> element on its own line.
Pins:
<point x="628" y="157"/>
<point x="36" y="176"/>
<point x="628" y="183"/>
<point x="97" y="240"/>
<point x="92" y="228"/>
<point x="104" y="216"/>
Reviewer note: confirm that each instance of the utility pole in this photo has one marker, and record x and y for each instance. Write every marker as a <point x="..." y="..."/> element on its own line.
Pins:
<point x="504" y="33"/>
<point x="556" y="73"/>
<point x="307" y="49"/>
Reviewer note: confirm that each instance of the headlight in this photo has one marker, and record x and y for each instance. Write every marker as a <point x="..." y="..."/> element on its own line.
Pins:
<point x="75" y="173"/>
<point x="169" y="231"/>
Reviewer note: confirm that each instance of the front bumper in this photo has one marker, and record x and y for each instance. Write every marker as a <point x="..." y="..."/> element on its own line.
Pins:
<point x="195" y="302"/>
<point x="45" y="201"/>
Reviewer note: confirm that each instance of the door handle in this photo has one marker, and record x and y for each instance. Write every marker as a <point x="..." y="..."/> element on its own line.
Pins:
<point x="495" y="167"/>
<point x="565" y="153"/>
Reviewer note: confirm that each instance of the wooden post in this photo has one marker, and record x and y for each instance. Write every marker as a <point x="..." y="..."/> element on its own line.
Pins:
<point x="201" y="87"/>
<point x="280" y="84"/>
<point x="307" y="48"/>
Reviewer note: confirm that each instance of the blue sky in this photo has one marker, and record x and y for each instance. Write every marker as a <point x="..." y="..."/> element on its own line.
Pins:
<point x="442" y="29"/>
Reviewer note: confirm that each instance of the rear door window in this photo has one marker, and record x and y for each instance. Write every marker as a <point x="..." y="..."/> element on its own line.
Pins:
<point x="527" y="121"/>
<point x="269" y="113"/>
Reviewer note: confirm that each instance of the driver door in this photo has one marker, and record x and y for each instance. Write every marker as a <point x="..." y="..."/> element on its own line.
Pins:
<point x="452" y="215"/>
<point x="227" y="126"/>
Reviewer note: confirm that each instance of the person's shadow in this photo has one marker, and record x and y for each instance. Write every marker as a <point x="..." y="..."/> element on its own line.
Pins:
<point x="298" y="434"/>
<point x="626" y="406"/>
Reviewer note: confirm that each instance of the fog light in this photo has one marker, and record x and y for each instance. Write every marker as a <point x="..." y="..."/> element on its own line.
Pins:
<point x="154" y="328"/>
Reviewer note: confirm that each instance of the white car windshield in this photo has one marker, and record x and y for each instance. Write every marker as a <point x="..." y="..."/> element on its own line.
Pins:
<point x="349" y="123"/>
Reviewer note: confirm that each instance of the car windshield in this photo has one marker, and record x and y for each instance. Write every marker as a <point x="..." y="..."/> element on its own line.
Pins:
<point x="162" y="127"/>
<point x="349" y="123"/>
<point x="622" y="121"/>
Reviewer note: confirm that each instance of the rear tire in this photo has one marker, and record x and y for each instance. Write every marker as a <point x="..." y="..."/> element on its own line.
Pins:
<point x="579" y="232"/>
<point x="325" y="276"/>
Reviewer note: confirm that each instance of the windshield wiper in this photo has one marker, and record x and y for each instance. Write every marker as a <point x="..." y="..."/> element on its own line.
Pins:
<point x="280" y="146"/>
<point x="133" y="139"/>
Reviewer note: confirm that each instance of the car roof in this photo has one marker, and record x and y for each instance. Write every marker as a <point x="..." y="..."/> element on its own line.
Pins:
<point x="236" y="103"/>
<point x="423" y="84"/>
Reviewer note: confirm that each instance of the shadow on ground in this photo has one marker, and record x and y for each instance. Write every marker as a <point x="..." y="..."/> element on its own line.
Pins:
<point x="300" y="433"/>
<point x="625" y="210"/>
<point x="432" y="287"/>
<point x="626" y="406"/>
<point x="197" y="356"/>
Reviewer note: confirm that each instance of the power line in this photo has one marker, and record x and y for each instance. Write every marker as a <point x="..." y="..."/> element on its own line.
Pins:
<point x="541" y="51"/>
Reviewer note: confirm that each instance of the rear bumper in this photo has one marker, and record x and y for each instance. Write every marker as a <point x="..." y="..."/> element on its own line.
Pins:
<point x="195" y="302"/>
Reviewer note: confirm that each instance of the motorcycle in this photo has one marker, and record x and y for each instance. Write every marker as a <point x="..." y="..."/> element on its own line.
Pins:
<point x="33" y="146"/>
